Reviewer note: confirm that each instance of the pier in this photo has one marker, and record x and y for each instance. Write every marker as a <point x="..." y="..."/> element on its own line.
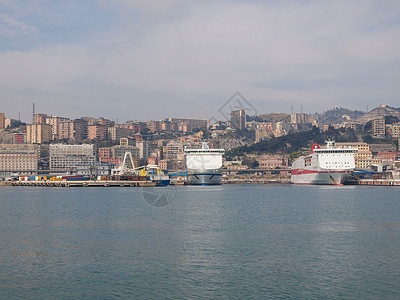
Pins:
<point x="378" y="182"/>
<point x="84" y="183"/>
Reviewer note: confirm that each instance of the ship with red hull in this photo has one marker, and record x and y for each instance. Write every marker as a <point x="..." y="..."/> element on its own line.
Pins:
<point x="329" y="165"/>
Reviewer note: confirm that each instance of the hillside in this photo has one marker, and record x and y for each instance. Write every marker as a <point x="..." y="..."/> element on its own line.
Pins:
<point x="381" y="111"/>
<point x="272" y="117"/>
<point x="339" y="115"/>
<point x="296" y="141"/>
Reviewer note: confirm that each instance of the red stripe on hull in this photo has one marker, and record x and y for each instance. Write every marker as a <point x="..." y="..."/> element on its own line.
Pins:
<point x="304" y="171"/>
<point x="318" y="183"/>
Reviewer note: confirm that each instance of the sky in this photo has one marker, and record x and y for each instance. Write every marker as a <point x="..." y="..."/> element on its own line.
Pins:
<point x="149" y="60"/>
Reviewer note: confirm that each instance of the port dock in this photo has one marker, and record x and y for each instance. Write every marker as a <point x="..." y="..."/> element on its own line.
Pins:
<point x="83" y="183"/>
<point x="378" y="182"/>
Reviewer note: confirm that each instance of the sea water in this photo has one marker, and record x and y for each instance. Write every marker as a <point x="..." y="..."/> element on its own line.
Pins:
<point x="190" y="242"/>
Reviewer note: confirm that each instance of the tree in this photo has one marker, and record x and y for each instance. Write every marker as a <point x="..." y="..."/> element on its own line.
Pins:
<point x="368" y="138"/>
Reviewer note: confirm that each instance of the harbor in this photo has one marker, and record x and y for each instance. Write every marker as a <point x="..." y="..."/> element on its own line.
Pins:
<point x="80" y="183"/>
<point x="282" y="179"/>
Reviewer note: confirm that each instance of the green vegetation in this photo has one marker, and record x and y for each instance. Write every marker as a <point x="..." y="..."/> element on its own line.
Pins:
<point x="273" y="117"/>
<point x="294" y="142"/>
<point x="337" y="115"/>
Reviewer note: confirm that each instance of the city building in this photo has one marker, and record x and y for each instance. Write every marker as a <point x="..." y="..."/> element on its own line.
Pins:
<point x="378" y="127"/>
<point x="153" y="126"/>
<point x="104" y="155"/>
<point x="38" y="133"/>
<point x="98" y="168"/>
<point x="299" y="118"/>
<point x="261" y="133"/>
<point x="2" y="120"/>
<point x="279" y="131"/>
<point x="118" y="151"/>
<point x="98" y="132"/>
<point x="19" y="138"/>
<point x="389" y="155"/>
<point x="368" y="163"/>
<point x="238" y="119"/>
<point x="363" y="155"/>
<point x="184" y="127"/>
<point x="135" y="127"/>
<point x="66" y="158"/>
<point x="165" y="164"/>
<point x="116" y="133"/>
<point x="395" y="132"/>
<point x="273" y="161"/>
<point x="90" y="120"/>
<point x="72" y="130"/>
<point x="65" y="129"/>
<point x="166" y="126"/>
<point x="171" y="150"/>
<point x="192" y="123"/>
<point x="11" y="123"/>
<point x="357" y="127"/>
<point x="21" y="158"/>
<point x="144" y="149"/>
<point x="127" y="142"/>
<point x="39" y="119"/>
<point x="105" y="122"/>
<point x="54" y="122"/>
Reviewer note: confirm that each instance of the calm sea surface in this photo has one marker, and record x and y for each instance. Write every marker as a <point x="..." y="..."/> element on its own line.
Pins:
<point x="223" y="242"/>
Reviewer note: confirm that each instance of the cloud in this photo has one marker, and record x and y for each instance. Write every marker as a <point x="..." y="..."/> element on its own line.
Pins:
<point x="194" y="57"/>
<point x="11" y="27"/>
<point x="153" y="6"/>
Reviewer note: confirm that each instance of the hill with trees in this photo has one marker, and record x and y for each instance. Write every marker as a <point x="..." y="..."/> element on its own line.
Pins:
<point x="294" y="142"/>
<point x="338" y="115"/>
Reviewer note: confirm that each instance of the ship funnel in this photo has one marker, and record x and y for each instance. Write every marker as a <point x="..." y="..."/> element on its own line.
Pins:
<point x="314" y="146"/>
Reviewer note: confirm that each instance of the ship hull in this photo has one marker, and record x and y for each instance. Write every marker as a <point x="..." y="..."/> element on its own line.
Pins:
<point x="205" y="178"/>
<point x="332" y="166"/>
<point x="204" y="165"/>
<point x="321" y="177"/>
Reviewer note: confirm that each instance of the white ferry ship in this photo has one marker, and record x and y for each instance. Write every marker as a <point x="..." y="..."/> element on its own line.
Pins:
<point x="204" y="165"/>
<point x="330" y="165"/>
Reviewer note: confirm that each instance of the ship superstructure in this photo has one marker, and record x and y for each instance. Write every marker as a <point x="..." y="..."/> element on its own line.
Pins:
<point x="329" y="165"/>
<point x="204" y="165"/>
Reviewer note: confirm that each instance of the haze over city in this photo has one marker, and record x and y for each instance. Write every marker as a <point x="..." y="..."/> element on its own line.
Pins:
<point x="149" y="60"/>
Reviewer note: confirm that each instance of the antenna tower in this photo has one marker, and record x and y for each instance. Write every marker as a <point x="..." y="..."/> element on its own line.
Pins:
<point x="33" y="113"/>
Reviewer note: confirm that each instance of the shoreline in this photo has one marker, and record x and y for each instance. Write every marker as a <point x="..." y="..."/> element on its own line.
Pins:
<point x="127" y="183"/>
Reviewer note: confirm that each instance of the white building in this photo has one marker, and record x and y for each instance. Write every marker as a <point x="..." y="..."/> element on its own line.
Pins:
<point x="19" y="158"/>
<point x="144" y="149"/>
<point x="67" y="157"/>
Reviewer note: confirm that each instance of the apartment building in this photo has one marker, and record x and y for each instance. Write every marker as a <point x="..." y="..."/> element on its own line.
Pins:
<point x="116" y="133"/>
<point x="54" y="121"/>
<point x="389" y="155"/>
<point x="378" y="127"/>
<point x="238" y="119"/>
<point x="67" y="157"/>
<point x="299" y="118"/>
<point x="38" y="133"/>
<point x="395" y="132"/>
<point x="97" y="132"/>
<point x="39" y="119"/>
<point x="19" y="157"/>
<point x="144" y="149"/>
<point x="273" y="161"/>
<point x="363" y="155"/>
<point x="2" y="120"/>
<point x="72" y="130"/>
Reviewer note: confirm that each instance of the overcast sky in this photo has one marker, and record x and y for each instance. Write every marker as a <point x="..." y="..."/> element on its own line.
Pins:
<point x="140" y="60"/>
